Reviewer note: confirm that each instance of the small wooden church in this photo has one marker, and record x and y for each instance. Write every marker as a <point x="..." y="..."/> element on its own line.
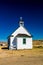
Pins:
<point x="20" y="38"/>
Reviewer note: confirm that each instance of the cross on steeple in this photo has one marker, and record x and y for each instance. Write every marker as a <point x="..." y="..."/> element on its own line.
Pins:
<point x="21" y="18"/>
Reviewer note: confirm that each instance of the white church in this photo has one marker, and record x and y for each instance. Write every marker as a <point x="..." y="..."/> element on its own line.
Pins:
<point x="20" y="38"/>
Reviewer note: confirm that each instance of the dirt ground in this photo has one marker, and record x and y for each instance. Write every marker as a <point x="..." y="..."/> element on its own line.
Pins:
<point x="33" y="60"/>
<point x="21" y="57"/>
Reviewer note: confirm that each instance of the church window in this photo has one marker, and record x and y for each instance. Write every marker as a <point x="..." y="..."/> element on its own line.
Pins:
<point x="24" y="41"/>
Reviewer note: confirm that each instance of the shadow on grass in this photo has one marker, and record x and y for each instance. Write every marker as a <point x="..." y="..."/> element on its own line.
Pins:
<point x="4" y="48"/>
<point x="38" y="46"/>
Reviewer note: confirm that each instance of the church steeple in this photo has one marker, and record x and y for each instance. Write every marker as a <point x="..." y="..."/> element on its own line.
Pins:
<point x="21" y="22"/>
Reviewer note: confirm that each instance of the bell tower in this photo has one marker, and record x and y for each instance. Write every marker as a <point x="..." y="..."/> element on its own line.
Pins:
<point x="21" y="22"/>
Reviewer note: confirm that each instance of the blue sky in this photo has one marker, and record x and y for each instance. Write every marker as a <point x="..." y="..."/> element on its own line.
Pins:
<point x="12" y="10"/>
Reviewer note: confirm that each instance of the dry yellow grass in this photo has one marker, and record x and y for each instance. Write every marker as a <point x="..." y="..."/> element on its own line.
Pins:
<point x="33" y="52"/>
<point x="21" y="57"/>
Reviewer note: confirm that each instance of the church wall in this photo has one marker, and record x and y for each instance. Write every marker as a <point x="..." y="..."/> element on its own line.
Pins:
<point x="20" y="44"/>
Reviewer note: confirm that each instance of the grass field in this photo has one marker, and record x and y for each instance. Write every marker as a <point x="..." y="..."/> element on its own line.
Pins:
<point x="22" y="57"/>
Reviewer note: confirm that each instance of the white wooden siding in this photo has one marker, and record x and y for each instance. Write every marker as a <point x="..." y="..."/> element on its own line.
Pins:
<point x="20" y="44"/>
